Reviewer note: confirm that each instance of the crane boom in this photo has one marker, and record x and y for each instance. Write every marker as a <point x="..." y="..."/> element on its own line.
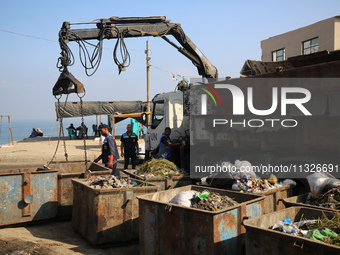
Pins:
<point x="126" y="27"/>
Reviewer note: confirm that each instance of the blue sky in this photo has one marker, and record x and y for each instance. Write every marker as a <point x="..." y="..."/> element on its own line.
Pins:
<point x="227" y="32"/>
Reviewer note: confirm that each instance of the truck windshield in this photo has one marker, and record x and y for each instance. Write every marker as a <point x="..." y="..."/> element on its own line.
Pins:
<point x="157" y="113"/>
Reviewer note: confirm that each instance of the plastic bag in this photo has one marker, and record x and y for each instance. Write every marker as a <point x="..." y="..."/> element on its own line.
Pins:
<point x="244" y="170"/>
<point x="319" y="183"/>
<point x="183" y="198"/>
<point x="288" y="182"/>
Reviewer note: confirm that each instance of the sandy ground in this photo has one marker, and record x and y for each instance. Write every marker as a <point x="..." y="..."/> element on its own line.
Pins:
<point x="54" y="237"/>
<point x="38" y="151"/>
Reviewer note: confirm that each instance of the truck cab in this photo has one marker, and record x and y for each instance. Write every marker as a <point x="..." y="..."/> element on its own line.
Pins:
<point x="167" y="111"/>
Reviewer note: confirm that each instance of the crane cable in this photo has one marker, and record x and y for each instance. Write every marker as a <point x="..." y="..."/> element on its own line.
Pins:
<point x="84" y="131"/>
<point x="61" y="130"/>
<point x="124" y="53"/>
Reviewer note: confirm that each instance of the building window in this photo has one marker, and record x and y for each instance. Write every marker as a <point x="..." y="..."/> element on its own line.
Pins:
<point x="310" y="46"/>
<point x="278" y="55"/>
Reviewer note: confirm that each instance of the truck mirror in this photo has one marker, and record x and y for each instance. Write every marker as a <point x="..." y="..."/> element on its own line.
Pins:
<point x="143" y="117"/>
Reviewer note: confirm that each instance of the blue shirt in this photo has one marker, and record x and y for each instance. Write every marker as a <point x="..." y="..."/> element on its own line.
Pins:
<point x="129" y="142"/>
<point x="164" y="148"/>
<point x="109" y="147"/>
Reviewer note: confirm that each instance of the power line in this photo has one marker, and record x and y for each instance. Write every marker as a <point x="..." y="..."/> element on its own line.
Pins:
<point x="34" y="37"/>
<point x="167" y="71"/>
<point x="44" y="39"/>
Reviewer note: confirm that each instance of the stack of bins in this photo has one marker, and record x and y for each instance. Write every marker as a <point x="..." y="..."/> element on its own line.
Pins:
<point x="68" y="170"/>
<point x="173" y="229"/>
<point x="164" y="183"/>
<point x="27" y="195"/>
<point x="261" y="239"/>
<point x="300" y="201"/>
<point x="108" y="215"/>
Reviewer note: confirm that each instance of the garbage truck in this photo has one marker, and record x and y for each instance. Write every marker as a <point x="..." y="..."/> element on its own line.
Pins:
<point x="314" y="140"/>
<point x="310" y="145"/>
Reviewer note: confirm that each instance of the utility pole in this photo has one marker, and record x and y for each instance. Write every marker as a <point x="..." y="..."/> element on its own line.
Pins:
<point x="147" y="52"/>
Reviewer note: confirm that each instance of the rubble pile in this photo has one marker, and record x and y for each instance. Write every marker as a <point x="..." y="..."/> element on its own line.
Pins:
<point x="241" y="177"/>
<point x="158" y="168"/>
<point x="209" y="201"/>
<point x="100" y="182"/>
<point x="330" y="199"/>
<point x="253" y="185"/>
<point x="212" y="202"/>
<point x="325" y="191"/>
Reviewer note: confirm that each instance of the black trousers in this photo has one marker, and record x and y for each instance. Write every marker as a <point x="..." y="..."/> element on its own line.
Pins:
<point x="127" y="156"/>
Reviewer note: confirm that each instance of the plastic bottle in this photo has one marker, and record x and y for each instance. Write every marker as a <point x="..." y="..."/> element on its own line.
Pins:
<point x="286" y="228"/>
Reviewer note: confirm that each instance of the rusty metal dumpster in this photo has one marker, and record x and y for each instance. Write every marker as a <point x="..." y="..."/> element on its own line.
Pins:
<point x="27" y="195"/>
<point x="167" y="228"/>
<point x="300" y="201"/>
<point x="273" y="201"/>
<point x="68" y="170"/>
<point x="107" y="216"/>
<point x="164" y="183"/>
<point x="274" y="198"/>
<point x="261" y="239"/>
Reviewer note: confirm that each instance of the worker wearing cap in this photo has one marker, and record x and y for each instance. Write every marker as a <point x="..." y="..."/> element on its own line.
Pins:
<point x="110" y="153"/>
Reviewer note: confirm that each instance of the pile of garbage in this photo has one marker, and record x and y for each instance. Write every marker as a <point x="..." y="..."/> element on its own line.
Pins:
<point x="158" y="168"/>
<point x="106" y="182"/>
<point x="256" y="184"/>
<point x="325" y="230"/>
<point x="209" y="201"/>
<point x="325" y="191"/>
<point x="241" y="177"/>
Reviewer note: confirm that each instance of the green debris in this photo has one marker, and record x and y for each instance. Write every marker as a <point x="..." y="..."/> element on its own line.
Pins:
<point x="202" y="195"/>
<point x="328" y="229"/>
<point x="321" y="234"/>
<point x="158" y="167"/>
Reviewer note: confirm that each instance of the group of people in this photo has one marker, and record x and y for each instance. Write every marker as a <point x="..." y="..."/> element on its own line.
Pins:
<point x="36" y="132"/>
<point x="80" y="131"/>
<point x="129" y="148"/>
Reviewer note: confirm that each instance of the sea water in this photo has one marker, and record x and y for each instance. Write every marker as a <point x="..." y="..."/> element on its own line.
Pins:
<point x="23" y="129"/>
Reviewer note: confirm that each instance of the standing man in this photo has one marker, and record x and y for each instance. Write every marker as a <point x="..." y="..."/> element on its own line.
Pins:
<point x="110" y="153"/>
<point x="165" y="145"/>
<point x="129" y="147"/>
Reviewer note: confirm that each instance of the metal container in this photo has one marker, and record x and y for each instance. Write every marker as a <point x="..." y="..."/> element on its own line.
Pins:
<point x="27" y="195"/>
<point x="107" y="216"/>
<point x="300" y="201"/>
<point x="68" y="170"/>
<point x="273" y="201"/>
<point x="164" y="183"/>
<point x="167" y="228"/>
<point x="261" y="239"/>
<point x="274" y="198"/>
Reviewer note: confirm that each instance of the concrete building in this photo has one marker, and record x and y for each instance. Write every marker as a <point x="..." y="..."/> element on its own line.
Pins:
<point x="320" y="36"/>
